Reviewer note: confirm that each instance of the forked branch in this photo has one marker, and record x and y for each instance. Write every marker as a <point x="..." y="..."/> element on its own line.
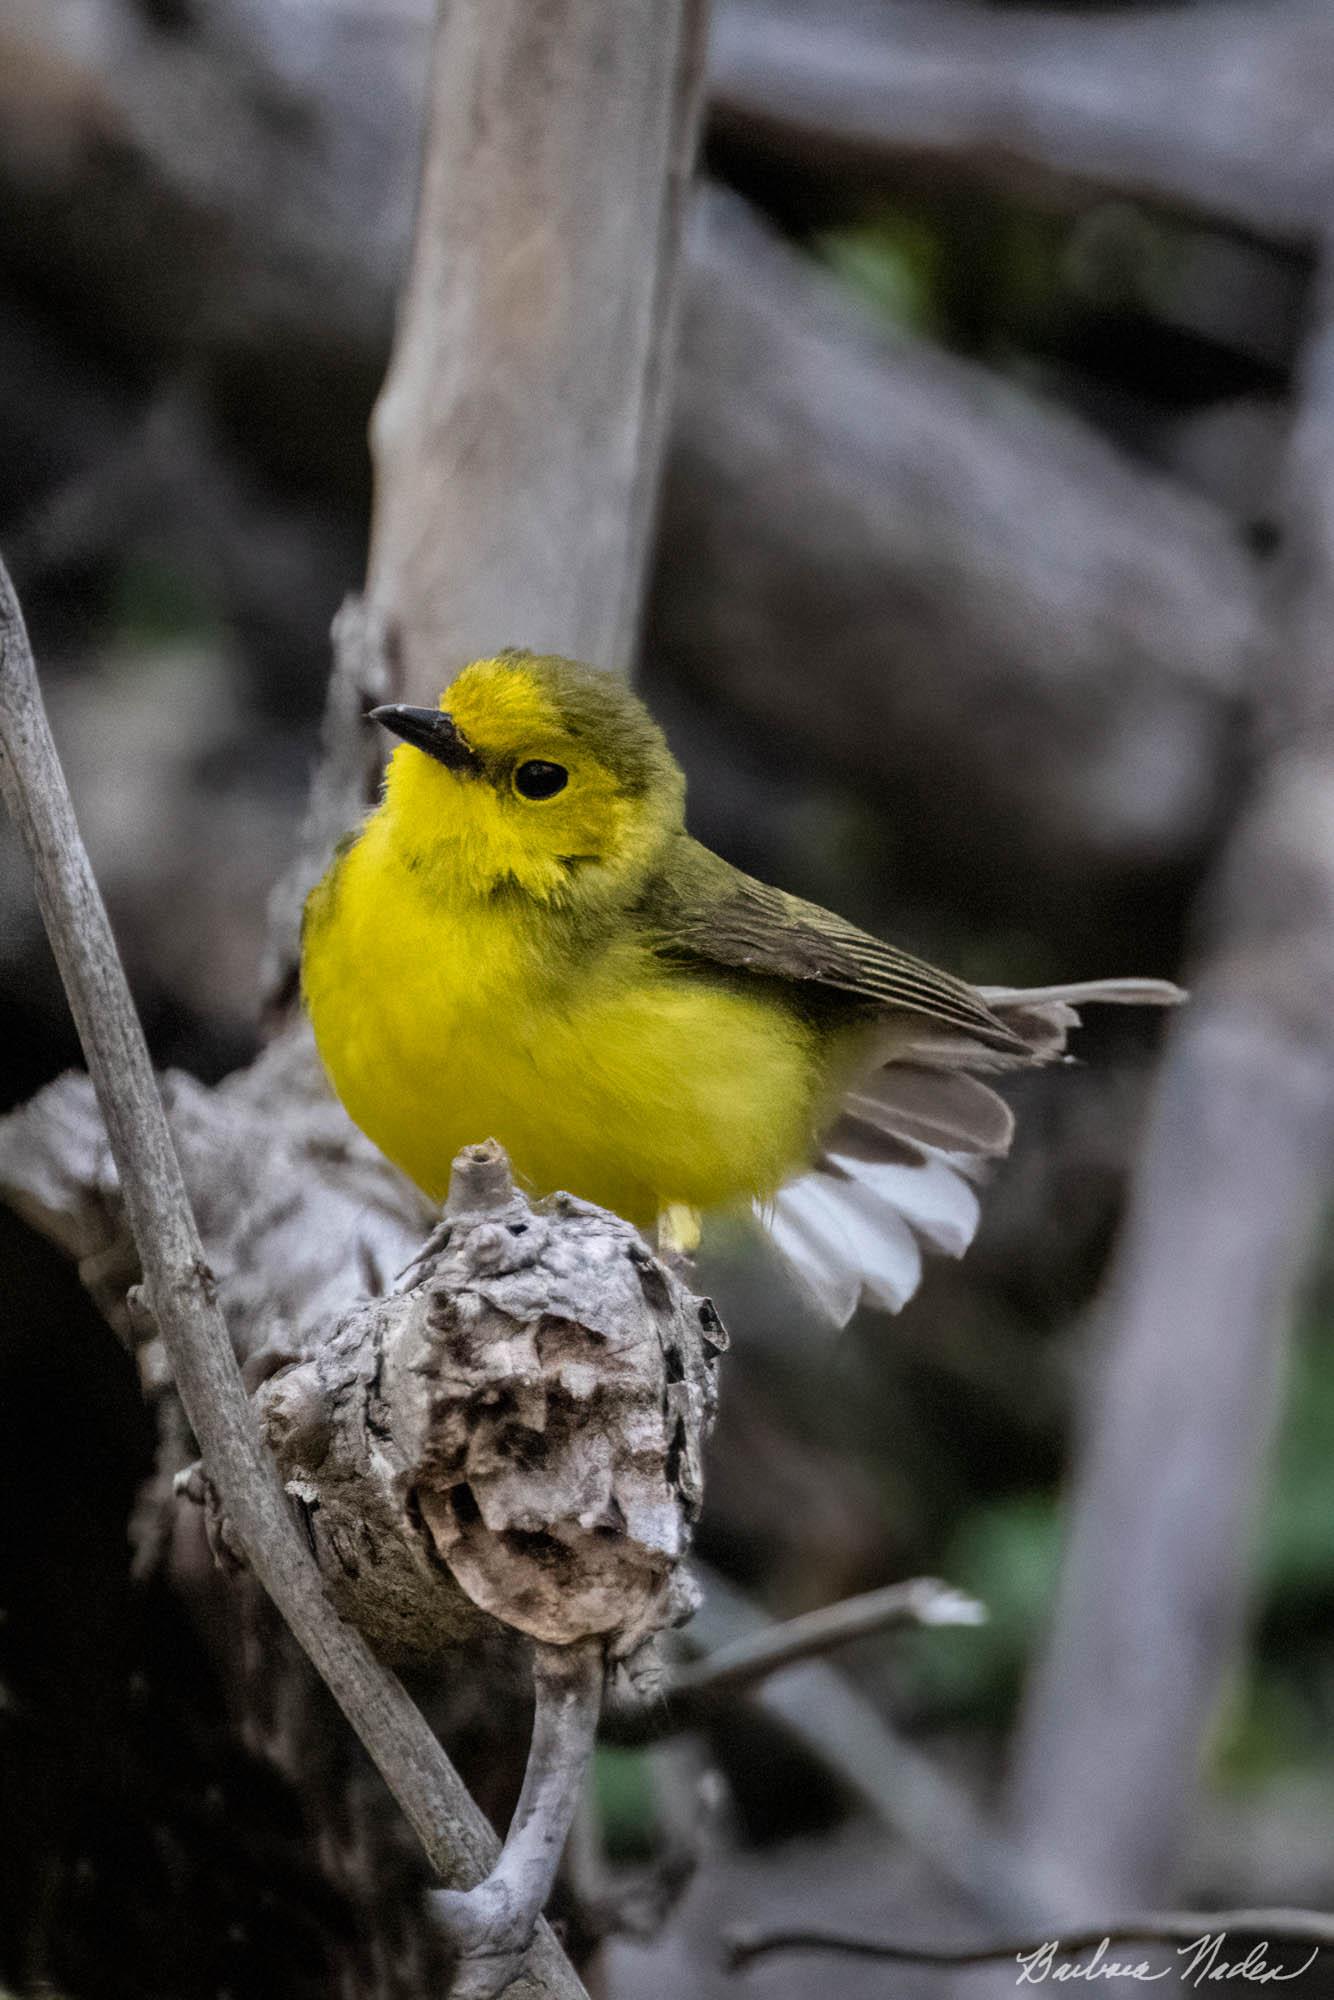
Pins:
<point x="180" y="1290"/>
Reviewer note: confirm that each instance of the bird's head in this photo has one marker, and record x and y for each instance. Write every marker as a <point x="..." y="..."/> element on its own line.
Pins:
<point x="534" y="773"/>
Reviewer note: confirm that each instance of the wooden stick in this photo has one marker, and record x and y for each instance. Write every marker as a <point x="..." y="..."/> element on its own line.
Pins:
<point x="493" y="1922"/>
<point x="454" y="1832"/>
<point x="741" y="1662"/>
<point x="817" y="1708"/>
<point x="920" y="1601"/>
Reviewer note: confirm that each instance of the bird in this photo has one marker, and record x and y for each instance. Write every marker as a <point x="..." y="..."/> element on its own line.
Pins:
<point x="522" y="941"/>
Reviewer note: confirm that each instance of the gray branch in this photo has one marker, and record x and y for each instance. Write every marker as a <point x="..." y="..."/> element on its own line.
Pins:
<point x="921" y="1601"/>
<point x="695" y="1688"/>
<point x="362" y="675"/>
<point x="1216" y="110"/>
<point x="494" y="1922"/>
<point x="516" y="440"/>
<point x="181" y="1294"/>
<point x="1226" y="1202"/>
<point x="972" y="580"/>
<point x="888" y="1777"/>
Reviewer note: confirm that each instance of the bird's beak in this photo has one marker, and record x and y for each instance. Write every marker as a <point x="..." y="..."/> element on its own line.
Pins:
<point x="431" y="730"/>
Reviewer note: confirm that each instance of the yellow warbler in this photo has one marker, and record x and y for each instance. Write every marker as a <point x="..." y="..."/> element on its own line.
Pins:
<point x="523" y="942"/>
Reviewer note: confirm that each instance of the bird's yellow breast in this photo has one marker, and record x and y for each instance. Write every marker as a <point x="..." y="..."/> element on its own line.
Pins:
<point x="599" y="1068"/>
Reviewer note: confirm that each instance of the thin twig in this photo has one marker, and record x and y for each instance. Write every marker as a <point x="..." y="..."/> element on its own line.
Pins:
<point x="753" y="1656"/>
<point x="921" y="1601"/>
<point x="1178" y="1927"/>
<point x="493" y="1922"/>
<point x="180" y="1289"/>
<point x="816" y="1707"/>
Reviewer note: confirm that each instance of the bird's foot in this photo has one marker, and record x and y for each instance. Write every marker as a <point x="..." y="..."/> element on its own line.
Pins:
<point x="679" y="1230"/>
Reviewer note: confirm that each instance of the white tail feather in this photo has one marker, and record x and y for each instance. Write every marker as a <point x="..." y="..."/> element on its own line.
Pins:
<point x="849" y="1228"/>
<point x="822" y="1257"/>
<point x="1086" y="992"/>
<point x="889" y="1256"/>
<point x="935" y="1199"/>
<point x="900" y="1157"/>
<point x="944" y="1108"/>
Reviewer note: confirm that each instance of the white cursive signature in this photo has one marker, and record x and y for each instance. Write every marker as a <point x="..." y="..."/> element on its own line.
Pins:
<point x="1035" y="1966"/>
<point x="1202" y="1960"/>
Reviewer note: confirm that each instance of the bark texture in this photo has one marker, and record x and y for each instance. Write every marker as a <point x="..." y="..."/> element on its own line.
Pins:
<point x="301" y="1217"/>
<point x="516" y="439"/>
<point x="180" y="1295"/>
<point x="525" y="1423"/>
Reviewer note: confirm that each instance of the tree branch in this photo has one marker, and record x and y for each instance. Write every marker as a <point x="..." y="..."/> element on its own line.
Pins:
<point x="493" y="1922"/>
<point x="1179" y="1927"/>
<point x="1227" y="1199"/>
<point x="971" y="579"/>
<point x="516" y="439"/>
<point x="363" y="674"/>
<point x="817" y="1708"/>
<point x="920" y="1601"/>
<point x="1215" y="110"/>
<point x="181" y="1293"/>
<point x="738" y="1664"/>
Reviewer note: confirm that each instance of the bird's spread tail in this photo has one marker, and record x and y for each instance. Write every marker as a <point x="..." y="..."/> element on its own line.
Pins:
<point x="853" y="1231"/>
<point x="897" y="1169"/>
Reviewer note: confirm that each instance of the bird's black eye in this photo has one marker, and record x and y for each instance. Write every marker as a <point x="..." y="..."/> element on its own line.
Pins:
<point x="539" y="780"/>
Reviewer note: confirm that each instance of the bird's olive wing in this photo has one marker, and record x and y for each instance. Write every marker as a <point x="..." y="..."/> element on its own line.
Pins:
<point x="706" y="911"/>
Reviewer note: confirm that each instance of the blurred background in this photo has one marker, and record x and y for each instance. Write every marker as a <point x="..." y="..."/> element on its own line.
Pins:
<point x="969" y="579"/>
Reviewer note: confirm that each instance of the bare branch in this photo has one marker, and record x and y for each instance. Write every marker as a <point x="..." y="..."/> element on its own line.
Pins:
<point x="1177" y="1927"/>
<point x="815" y="1706"/>
<point x="688" y="1805"/>
<point x="493" y="1922"/>
<point x="1217" y="110"/>
<point x="1227" y="1199"/>
<point x="971" y="580"/>
<point x="181" y="1292"/>
<point x="921" y="1601"/>
<point x="694" y="1688"/>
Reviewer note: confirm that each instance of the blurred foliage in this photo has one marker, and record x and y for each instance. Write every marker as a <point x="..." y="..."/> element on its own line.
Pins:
<point x="627" y="1811"/>
<point x="1119" y="294"/>
<point x="980" y="274"/>
<point x="1297" y="1536"/>
<point x="154" y="602"/>
<point x="1279" y="1712"/>
<point x="896" y="262"/>
<point x="1007" y="1553"/>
